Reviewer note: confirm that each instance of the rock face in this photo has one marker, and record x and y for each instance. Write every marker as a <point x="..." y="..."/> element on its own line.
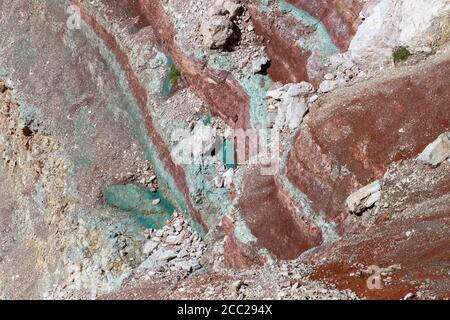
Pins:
<point x="340" y="149"/>
<point x="301" y="35"/>
<point x="151" y="72"/>
<point x="393" y="24"/>
<point x="224" y="94"/>
<point x="341" y="17"/>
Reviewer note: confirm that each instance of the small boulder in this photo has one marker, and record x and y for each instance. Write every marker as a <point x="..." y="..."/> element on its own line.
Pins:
<point x="149" y="264"/>
<point x="217" y="32"/>
<point x="364" y="198"/>
<point x="182" y="254"/>
<point x="164" y="255"/>
<point x="436" y="152"/>
<point x="328" y="86"/>
<point x="259" y="64"/>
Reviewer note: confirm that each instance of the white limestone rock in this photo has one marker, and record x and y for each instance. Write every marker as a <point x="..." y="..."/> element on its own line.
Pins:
<point x="394" y="23"/>
<point x="291" y="90"/>
<point x="228" y="178"/>
<point x="328" y="86"/>
<point x="364" y="198"/>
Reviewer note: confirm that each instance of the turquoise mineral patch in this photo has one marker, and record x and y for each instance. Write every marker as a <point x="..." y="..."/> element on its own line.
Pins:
<point x="138" y="201"/>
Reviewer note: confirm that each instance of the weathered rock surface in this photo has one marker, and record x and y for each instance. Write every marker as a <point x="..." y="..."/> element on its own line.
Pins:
<point x="341" y="17"/>
<point x="437" y="151"/>
<point x="351" y="139"/>
<point x="140" y="70"/>
<point x="405" y="246"/>
<point x="392" y="24"/>
<point x="217" y="31"/>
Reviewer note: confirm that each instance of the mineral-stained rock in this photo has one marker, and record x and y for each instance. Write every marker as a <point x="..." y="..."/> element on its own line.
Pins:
<point x="437" y="151"/>
<point x="341" y="17"/>
<point x="352" y="138"/>
<point x="291" y="90"/>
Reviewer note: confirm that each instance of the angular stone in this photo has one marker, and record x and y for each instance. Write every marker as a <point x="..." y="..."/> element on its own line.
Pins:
<point x="173" y="240"/>
<point x="149" y="264"/>
<point x="354" y="136"/>
<point x="436" y="152"/>
<point x="328" y="85"/>
<point x="182" y="254"/>
<point x="258" y="64"/>
<point x="364" y="198"/>
<point x="149" y="246"/>
<point x="295" y="110"/>
<point x="291" y="90"/>
<point x="164" y="255"/>
<point x="216" y="31"/>
<point x="276" y="94"/>
<point x="228" y="178"/>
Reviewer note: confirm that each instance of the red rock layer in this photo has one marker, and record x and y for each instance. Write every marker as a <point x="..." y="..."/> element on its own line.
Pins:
<point x="350" y="140"/>
<point x="273" y="220"/>
<point x="238" y="255"/>
<point x="141" y="97"/>
<point x="281" y="33"/>
<point x="219" y="89"/>
<point x="340" y="17"/>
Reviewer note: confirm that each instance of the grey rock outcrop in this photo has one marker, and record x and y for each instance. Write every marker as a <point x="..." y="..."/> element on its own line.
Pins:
<point x="436" y="152"/>
<point x="364" y="198"/>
